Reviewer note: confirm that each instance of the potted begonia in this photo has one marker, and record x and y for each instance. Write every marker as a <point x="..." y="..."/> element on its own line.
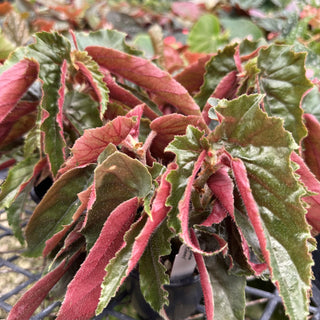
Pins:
<point x="144" y="163"/>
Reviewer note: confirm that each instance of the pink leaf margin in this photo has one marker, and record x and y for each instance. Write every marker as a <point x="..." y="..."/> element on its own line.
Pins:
<point x="84" y="290"/>
<point x="30" y="301"/>
<point x="14" y="82"/>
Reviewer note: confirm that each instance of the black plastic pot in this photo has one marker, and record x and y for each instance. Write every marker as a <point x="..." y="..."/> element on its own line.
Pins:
<point x="184" y="298"/>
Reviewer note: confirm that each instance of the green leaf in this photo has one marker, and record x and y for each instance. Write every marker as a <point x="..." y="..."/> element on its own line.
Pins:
<point x="240" y="28"/>
<point x="106" y="38"/>
<point x="187" y="149"/>
<point x="264" y="147"/>
<point x="117" y="179"/>
<point x="18" y="175"/>
<point x="57" y="208"/>
<point x="205" y="35"/>
<point x="33" y="140"/>
<point x="50" y="50"/>
<point x="152" y="273"/>
<point x="90" y="69"/>
<point x="216" y="69"/>
<point x="6" y="47"/>
<point x="228" y="290"/>
<point x="283" y="80"/>
<point x="15" y="211"/>
<point x="312" y="58"/>
<point x="143" y="42"/>
<point x="117" y="267"/>
<point x="82" y="111"/>
<point x="311" y="103"/>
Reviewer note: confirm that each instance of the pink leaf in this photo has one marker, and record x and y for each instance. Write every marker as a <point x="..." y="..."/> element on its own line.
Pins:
<point x="243" y="184"/>
<point x="172" y="59"/>
<point x="89" y="146"/>
<point x="186" y="10"/>
<point x="61" y="100"/>
<point x="192" y="76"/>
<point x="118" y="93"/>
<point x="311" y="144"/>
<point x="222" y="186"/>
<point x="204" y="279"/>
<point x="217" y="214"/>
<point x="145" y="74"/>
<point x="83" y="292"/>
<point x="31" y="300"/>
<point x="124" y="96"/>
<point x="184" y="211"/>
<point x="14" y="82"/>
<point x="313" y="185"/>
<point x="136" y="112"/>
<point x="158" y="212"/>
<point x="225" y="89"/>
<point x="88" y="76"/>
<point x="169" y="126"/>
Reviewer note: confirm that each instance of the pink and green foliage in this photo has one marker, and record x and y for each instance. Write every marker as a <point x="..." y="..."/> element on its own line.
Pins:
<point x="141" y="159"/>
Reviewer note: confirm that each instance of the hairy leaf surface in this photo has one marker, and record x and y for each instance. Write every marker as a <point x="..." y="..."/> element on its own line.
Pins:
<point x="82" y="111"/>
<point x="19" y="174"/>
<point x="216" y="69"/>
<point x="145" y="74"/>
<point x="117" y="179"/>
<point x="229" y="298"/>
<point x="83" y="292"/>
<point x="152" y="273"/>
<point x="14" y="83"/>
<point x="117" y="269"/>
<point x="187" y="149"/>
<point x="31" y="300"/>
<point x="90" y="70"/>
<point x="89" y="146"/>
<point x="56" y="208"/>
<point x="283" y="80"/>
<point x="264" y="147"/>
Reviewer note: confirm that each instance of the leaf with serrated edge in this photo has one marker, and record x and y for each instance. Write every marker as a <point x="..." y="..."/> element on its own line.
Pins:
<point x="117" y="179"/>
<point x="57" y="208"/>
<point x="106" y="38"/>
<point x="282" y="79"/>
<point x="216" y="69"/>
<point x="89" y="146"/>
<point x="147" y="75"/>
<point x="187" y="149"/>
<point x="152" y="273"/>
<point x="229" y="297"/>
<point x="158" y="214"/>
<point x="50" y="50"/>
<point x="264" y="148"/>
<point x="90" y="70"/>
<point x="117" y="269"/>
<point x="83" y="302"/>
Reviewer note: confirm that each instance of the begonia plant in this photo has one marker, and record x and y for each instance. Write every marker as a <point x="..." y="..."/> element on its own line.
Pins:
<point x="215" y="157"/>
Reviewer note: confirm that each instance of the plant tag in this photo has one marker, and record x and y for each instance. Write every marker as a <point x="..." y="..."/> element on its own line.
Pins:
<point x="184" y="264"/>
